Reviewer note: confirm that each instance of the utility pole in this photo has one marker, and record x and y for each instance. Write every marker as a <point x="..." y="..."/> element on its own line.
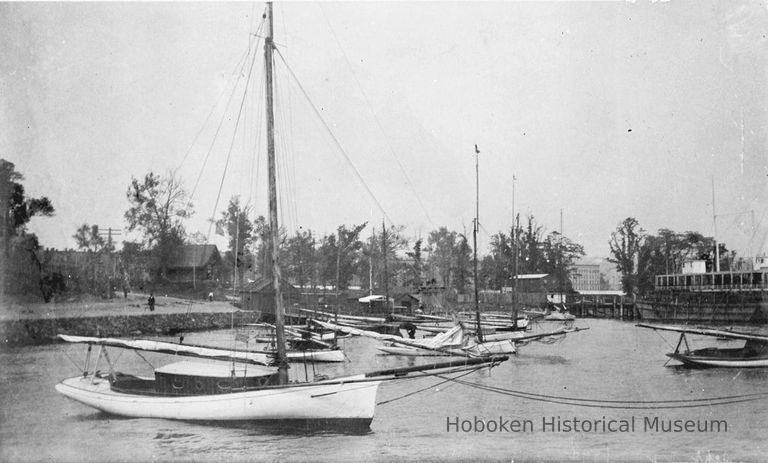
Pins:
<point x="109" y="233"/>
<point x="110" y="264"/>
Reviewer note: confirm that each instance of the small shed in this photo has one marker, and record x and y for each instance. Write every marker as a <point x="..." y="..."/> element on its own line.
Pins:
<point x="375" y="303"/>
<point x="260" y="296"/>
<point x="538" y="289"/>
<point x="195" y="263"/>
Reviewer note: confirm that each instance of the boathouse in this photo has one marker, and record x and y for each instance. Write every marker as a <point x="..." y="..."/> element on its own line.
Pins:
<point x="260" y="296"/>
<point x="538" y="289"/>
<point x="195" y="263"/>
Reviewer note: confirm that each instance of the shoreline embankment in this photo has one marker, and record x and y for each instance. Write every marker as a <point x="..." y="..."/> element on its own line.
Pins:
<point x="39" y="324"/>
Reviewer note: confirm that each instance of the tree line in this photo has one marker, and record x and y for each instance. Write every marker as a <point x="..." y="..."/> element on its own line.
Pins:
<point x="374" y="256"/>
<point x="371" y="255"/>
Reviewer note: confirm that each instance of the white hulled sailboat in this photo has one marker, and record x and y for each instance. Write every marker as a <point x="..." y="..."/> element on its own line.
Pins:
<point x="250" y="387"/>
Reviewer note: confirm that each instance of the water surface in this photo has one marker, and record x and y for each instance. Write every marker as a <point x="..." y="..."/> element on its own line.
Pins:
<point x="610" y="361"/>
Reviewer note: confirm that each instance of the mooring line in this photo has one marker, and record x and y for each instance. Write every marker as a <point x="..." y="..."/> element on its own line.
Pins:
<point x="431" y="386"/>
<point x="596" y="403"/>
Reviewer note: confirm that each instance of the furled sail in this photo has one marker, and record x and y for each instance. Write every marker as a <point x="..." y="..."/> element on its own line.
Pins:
<point x="187" y="350"/>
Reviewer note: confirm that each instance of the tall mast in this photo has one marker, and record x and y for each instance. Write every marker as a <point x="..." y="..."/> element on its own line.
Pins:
<point x="474" y="240"/>
<point x="384" y="249"/>
<point x="715" y="267"/>
<point x="370" y="263"/>
<point x="282" y="359"/>
<point x="514" y="250"/>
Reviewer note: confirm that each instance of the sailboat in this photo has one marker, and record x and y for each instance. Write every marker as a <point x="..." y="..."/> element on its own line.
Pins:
<point x="306" y="346"/>
<point x="244" y="388"/>
<point x="453" y="342"/>
<point x="753" y="354"/>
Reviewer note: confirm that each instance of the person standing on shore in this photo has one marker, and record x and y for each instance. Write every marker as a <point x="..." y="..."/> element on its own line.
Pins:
<point x="151" y="302"/>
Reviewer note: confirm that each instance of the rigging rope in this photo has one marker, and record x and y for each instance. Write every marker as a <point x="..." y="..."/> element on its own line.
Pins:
<point x="620" y="404"/>
<point x="242" y="59"/>
<point x="333" y="137"/>
<point x="378" y="122"/>
<point x="231" y="145"/>
<point x="73" y="360"/>
<point x="142" y="357"/>
<point x="383" y="402"/>
<point x="223" y="117"/>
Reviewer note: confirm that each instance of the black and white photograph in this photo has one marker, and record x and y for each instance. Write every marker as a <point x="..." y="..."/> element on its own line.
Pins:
<point x="318" y="231"/>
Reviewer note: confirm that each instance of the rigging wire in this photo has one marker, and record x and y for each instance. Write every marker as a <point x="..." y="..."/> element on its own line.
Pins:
<point x="286" y="165"/>
<point x="335" y="140"/>
<point x="256" y="159"/>
<point x="224" y="116"/>
<point x="432" y="386"/>
<point x="66" y="354"/>
<point x="242" y="59"/>
<point x="232" y="143"/>
<point x="376" y="119"/>
<point x="619" y="404"/>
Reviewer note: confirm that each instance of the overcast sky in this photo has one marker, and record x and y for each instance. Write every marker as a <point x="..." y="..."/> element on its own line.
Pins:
<point x="601" y="110"/>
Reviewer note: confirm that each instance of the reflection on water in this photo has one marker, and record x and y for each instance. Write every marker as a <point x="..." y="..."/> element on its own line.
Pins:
<point x="292" y="428"/>
<point x="610" y="361"/>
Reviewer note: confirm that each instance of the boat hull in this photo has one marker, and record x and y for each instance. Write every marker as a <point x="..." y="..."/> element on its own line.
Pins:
<point x="412" y="351"/>
<point x="317" y="356"/>
<point x="719" y="362"/>
<point x="352" y="402"/>
<point x="491" y="348"/>
<point x="694" y="311"/>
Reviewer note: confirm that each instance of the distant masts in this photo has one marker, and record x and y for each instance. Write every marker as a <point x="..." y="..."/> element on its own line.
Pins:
<point x="474" y="240"/>
<point x="714" y="227"/>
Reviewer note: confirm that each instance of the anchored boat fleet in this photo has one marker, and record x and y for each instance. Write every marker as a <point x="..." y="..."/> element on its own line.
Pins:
<point x="228" y="384"/>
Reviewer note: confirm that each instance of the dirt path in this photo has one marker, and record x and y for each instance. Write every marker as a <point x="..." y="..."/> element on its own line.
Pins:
<point x="135" y="304"/>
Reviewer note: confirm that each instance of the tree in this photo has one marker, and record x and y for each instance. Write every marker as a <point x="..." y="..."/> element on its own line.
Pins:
<point x="158" y="208"/>
<point x="532" y="259"/>
<point x="462" y="268"/>
<point x="560" y="254"/>
<point x="442" y="254"/>
<point x="338" y="255"/>
<point x="625" y="245"/>
<point x="17" y="209"/>
<point x="197" y="238"/>
<point x="20" y="248"/>
<point x="416" y="270"/>
<point x="262" y="241"/>
<point x="300" y="258"/>
<point x="497" y="267"/>
<point x="239" y="228"/>
<point x="387" y="267"/>
<point x="666" y="252"/>
<point x="87" y="238"/>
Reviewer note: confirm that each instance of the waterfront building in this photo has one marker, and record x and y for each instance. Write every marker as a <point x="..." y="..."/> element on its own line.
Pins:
<point x="585" y="277"/>
<point x="195" y="263"/>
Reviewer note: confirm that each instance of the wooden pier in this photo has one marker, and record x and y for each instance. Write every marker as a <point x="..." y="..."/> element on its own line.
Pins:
<point x="603" y="306"/>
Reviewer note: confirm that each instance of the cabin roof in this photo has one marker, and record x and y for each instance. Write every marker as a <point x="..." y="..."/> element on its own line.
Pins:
<point x="214" y="370"/>
<point x="531" y="276"/>
<point x="373" y="298"/>
<point x="194" y="256"/>
<point x="266" y="285"/>
<point x="600" y="292"/>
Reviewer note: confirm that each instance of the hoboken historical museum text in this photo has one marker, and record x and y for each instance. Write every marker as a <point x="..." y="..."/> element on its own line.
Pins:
<point x="573" y="424"/>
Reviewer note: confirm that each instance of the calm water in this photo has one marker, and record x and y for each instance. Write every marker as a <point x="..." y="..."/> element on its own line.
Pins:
<point x="612" y="360"/>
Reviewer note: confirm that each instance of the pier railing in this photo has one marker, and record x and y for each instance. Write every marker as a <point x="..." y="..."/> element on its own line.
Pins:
<point x="719" y="281"/>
